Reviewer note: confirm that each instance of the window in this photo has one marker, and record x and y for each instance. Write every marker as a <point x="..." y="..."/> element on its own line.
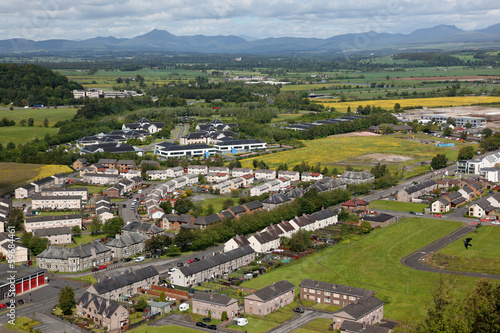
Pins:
<point x="327" y="293"/>
<point x="352" y="298"/>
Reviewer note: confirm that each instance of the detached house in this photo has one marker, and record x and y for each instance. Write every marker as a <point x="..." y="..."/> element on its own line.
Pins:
<point x="482" y="208"/>
<point x="311" y="176"/>
<point x="269" y="299"/>
<point x="357" y="206"/>
<point x="103" y="312"/>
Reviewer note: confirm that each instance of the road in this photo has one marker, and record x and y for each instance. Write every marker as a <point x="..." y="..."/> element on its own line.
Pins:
<point x="300" y="320"/>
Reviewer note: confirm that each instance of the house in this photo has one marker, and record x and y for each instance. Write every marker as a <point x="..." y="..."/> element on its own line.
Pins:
<point x="144" y="124"/>
<point x="311" y="176"/>
<point x="71" y="191"/>
<point x="259" y="190"/>
<point x="236" y="183"/>
<point x="175" y="172"/>
<point x="112" y="192"/>
<point x="253" y="206"/>
<point x="118" y="286"/>
<point x="146" y="229"/>
<point x="219" y="169"/>
<point x="304" y="222"/>
<point x="240" y="172"/>
<point x="441" y="205"/>
<point x="324" y="218"/>
<point x="353" y="177"/>
<point x="157" y="174"/>
<point x="175" y="222"/>
<point x="481" y="208"/>
<point x="56" y="202"/>
<point x="216" y="304"/>
<point x="265" y="174"/>
<point x="248" y="180"/>
<point x="25" y="191"/>
<point x="414" y="191"/>
<point x="265" y="241"/>
<point x="195" y="138"/>
<point x="103" y="312"/>
<point x="57" y="235"/>
<point x="285" y="182"/>
<point x="216" y="177"/>
<point x="108" y="163"/>
<point x="209" y="268"/>
<point x="203" y="221"/>
<point x="270" y="298"/>
<point x="101" y="179"/>
<point x="274" y="185"/>
<point x="43" y="222"/>
<point x="126" y="165"/>
<point x="294" y="176"/>
<point x="197" y="169"/>
<point x="235" y="242"/>
<point x="74" y="259"/>
<point x="124" y="246"/>
<point x="80" y="163"/>
<point x="331" y="293"/>
<point x="103" y="209"/>
<point x="357" y="206"/>
<point x="8" y="248"/>
<point x="369" y="310"/>
<point x="223" y="188"/>
<point x="274" y="200"/>
<point x="380" y="220"/>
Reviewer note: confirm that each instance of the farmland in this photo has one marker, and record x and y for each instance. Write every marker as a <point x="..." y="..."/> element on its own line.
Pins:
<point x="366" y="264"/>
<point x="13" y="175"/>
<point x="53" y="115"/>
<point x="418" y="102"/>
<point x="24" y="134"/>
<point x="342" y="151"/>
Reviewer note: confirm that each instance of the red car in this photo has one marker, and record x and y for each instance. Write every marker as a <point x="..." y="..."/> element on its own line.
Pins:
<point x="190" y="261"/>
<point x="103" y="267"/>
<point x="3" y="305"/>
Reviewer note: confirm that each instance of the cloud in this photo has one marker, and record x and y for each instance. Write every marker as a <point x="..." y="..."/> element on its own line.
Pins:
<point x="45" y="19"/>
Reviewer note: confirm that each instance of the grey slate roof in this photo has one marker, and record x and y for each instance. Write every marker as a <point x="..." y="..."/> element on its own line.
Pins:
<point x="253" y="205"/>
<point x="208" y="263"/>
<point x="355" y="327"/>
<point x="276" y="199"/>
<point x="362" y="307"/>
<point x="419" y="187"/>
<point x="125" y="279"/>
<point x="142" y="227"/>
<point x="213" y="298"/>
<point x="336" y="288"/>
<point x="323" y="214"/>
<point x="274" y="290"/>
<point x="127" y="240"/>
<point x="82" y="251"/>
<point x="52" y="218"/>
<point x="207" y="220"/>
<point x="51" y="231"/>
<point x="103" y="306"/>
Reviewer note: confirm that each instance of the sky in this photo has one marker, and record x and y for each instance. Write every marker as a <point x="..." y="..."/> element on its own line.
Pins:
<point x="251" y="19"/>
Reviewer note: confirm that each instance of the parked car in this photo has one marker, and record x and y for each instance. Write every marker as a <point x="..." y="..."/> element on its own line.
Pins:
<point x="212" y="327"/>
<point x="95" y="269"/>
<point x="139" y="259"/>
<point x="299" y="310"/>
<point x="148" y="256"/>
<point x="495" y="223"/>
<point x="171" y="270"/>
<point x="200" y="324"/>
<point x="180" y="264"/>
<point x="190" y="261"/>
<point x="207" y="319"/>
<point x="103" y="267"/>
<point x="127" y="259"/>
<point x="20" y="302"/>
<point x="3" y="305"/>
<point x="411" y="212"/>
<point x="419" y="214"/>
<point x="124" y="205"/>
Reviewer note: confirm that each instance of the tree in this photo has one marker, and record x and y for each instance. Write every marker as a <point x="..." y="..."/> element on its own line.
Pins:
<point x="162" y="297"/>
<point x="466" y="153"/>
<point x="397" y="107"/>
<point x="463" y="135"/>
<point x="141" y="305"/>
<point x="67" y="300"/>
<point x="38" y="244"/>
<point x="227" y="203"/>
<point x="451" y="121"/>
<point x="31" y="121"/>
<point x="166" y="206"/>
<point x="22" y="122"/>
<point x="439" y="161"/>
<point x="223" y="316"/>
<point x="487" y="132"/>
<point x="468" y="125"/>
<point x="380" y="170"/>
<point x="45" y="122"/>
<point x="113" y="226"/>
<point x="184" y="238"/>
<point x="183" y="206"/>
<point x="95" y="226"/>
<point x="300" y="241"/>
<point x="76" y="231"/>
<point x="210" y="209"/>
<point x="365" y="227"/>
<point x="448" y="131"/>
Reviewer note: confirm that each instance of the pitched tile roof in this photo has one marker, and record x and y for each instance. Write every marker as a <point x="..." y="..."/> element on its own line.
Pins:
<point x="274" y="290"/>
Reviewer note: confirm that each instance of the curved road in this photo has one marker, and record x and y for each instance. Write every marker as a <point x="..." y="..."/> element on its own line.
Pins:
<point x="415" y="260"/>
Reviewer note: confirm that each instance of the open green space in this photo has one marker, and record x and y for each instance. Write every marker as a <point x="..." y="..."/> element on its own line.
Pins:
<point x="39" y="114"/>
<point x="341" y="151"/>
<point x="24" y="134"/>
<point x="84" y="239"/>
<point x="23" y="323"/>
<point x="216" y="202"/>
<point x="90" y="279"/>
<point x="397" y="206"/>
<point x="374" y="263"/>
<point x="482" y="257"/>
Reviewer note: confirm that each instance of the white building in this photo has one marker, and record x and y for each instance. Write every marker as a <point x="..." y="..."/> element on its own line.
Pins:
<point x="44" y="222"/>
<point x="55" y="202"/>
<point x="265" y="174"/>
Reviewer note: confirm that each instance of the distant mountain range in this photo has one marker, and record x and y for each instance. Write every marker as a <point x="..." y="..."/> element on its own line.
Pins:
<point x="441" y="36"/>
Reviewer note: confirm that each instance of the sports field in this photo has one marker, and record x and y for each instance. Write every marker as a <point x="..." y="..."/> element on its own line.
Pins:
<point x="374" y="263"/>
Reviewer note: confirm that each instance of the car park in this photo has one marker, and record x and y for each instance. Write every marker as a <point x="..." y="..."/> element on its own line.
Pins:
<point x="298" y="310"/>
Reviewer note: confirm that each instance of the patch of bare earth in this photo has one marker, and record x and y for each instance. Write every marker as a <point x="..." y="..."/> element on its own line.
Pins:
<point x="386" y="157"/>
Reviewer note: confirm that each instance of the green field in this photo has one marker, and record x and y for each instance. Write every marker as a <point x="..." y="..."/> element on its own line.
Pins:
<point x="482" y="257"/>
<point x="216" y="202"/>
<point x="53" y="115"/>
<point x="374" y="263"/>
<point x="24" y="134"/>
<point x="341" y="151"/>
<point x="397" y="206"/>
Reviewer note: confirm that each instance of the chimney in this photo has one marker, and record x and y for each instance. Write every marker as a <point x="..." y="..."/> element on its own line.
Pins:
<point x="211" y="296"/>
<point x="334" y="286"/>
<point x="350" y="288"/>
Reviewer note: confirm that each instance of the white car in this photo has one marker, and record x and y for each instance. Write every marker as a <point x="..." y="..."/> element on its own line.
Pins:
<point x="139" y="259"/>
<point x="495" y="223"/>
<point x="171" y="270"/>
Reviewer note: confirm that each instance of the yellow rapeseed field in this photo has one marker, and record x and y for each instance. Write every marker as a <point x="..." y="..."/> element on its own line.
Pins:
<point x="427" y="102"/>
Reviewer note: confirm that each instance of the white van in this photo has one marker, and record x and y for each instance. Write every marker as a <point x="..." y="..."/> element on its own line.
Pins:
<point x="184" y="307"/>
<point x="139" y="259"/>
<point x="240" y="321"/>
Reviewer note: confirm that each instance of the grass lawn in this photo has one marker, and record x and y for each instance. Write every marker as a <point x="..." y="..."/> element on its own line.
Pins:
<point x="87" y="279"/>
<point x="327" y="307"/>
<point x="93" y="189"/>
<point x="397" y="206"/>
<point x="162" y="329"/>
<point x="318" y="325"/>
<point x="258" y="324"/>
<point x="483" y="256"/>
<point x="13" y="175"/>
<point x="135" y="317"/>
<point x="216" y="202"/>
<point x="59" y="213"/>
<point x="84" y="239"/>
<point x="39" y="115"/>
<point x="23" y="323"/>
<point x="24" y="134"/>
<point x="374" y="263"/>
<point x="340" y="151"/>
